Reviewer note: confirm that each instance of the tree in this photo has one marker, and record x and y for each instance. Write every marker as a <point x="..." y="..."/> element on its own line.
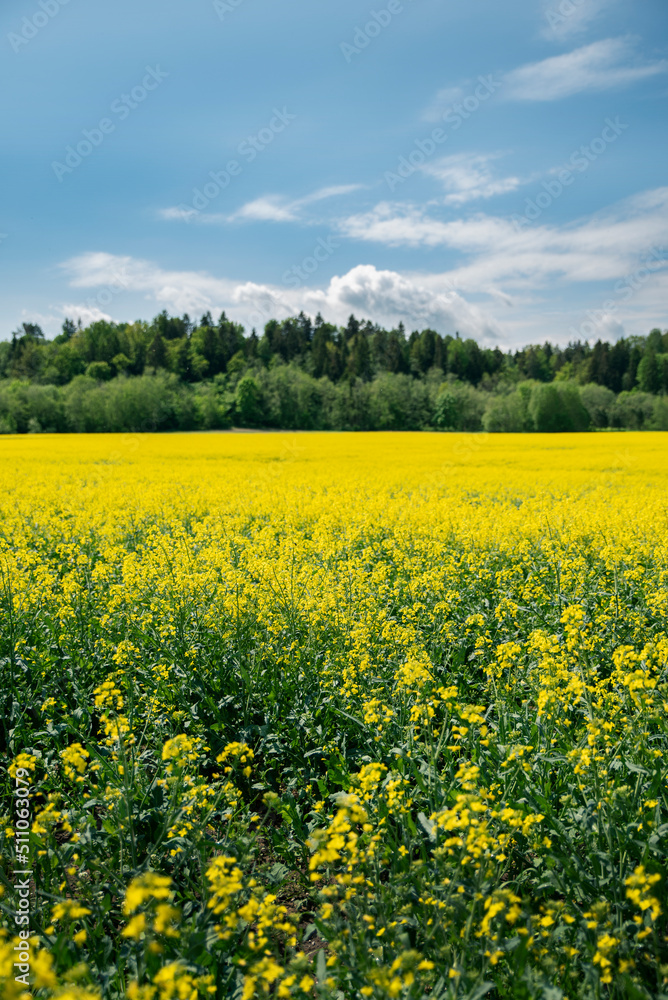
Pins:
<point x="618" y="363"/>
<point x="100" y="371"/>
<point x="396" y="351"/>
<point x="359" y="358"/>
<point x="68" y="330"/>
<point x="598" y="401"/>
<point x="649" y="374"/>
<point x="557" y="406"/>
<point x="156" y="355"/>
<point x="423" y="351"/>
<point x="248" y="402"/>
<point x="322" y="338"/>
<point x="506" y="414"/>
<point x="171" y="327"/>
<point x="120" y="363"/>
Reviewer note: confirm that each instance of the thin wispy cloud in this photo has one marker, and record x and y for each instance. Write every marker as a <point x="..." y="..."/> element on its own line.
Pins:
<point x="600" y="66"/>
<point x="266" y="208"/>
<point x="178" y="214"/>
<point x="470" y="177"/>
<point x="562" y="20"/>
<point x="278" y="208"/>
<point x="601" y="247"/>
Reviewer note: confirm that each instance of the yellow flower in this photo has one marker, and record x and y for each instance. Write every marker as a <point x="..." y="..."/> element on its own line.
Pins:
<point x="74" y="758"/>
<point x="69" y="909"/>
<point x="135" y="927"/>
<point x="638" y="890"/>
<point x="165" y="917"/>
<point x="41" y="967"/>
<point x="27" y="761"/>
<point x="180" y="750"/>
<point x="144" y="888"/>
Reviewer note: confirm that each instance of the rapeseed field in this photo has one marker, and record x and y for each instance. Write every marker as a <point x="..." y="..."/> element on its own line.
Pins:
<point x="334" y="715"/>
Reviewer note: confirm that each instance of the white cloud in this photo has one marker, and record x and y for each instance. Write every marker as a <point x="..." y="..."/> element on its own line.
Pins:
<point x="86" y="313"/>
<point x="333" y="191"/>
<point x="507" y="286"/>
<point x="598" y="66"/>
<point x="267" y="208"/>
<point x="467" y="177"/>
<point x="180" y="291"/>
<point x="384" y="296"/>
<point x="602" y="247"/>
<point x="179" y="213"/>
<point x="277" y="208"/>
<point x="564" y="18"/>
<point x="388" y="297"/>
<point x="270" y="208"/>
<point x="605" y="64"/>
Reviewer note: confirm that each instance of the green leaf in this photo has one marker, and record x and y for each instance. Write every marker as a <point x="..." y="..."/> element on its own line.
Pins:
<point x="427" y="826"/>
<point x="321" y="966"/>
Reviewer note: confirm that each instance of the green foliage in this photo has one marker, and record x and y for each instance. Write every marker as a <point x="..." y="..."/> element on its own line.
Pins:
<point x="598" y="402"/>
<point x="398" y="402"/>
<point x="101" y="371"/>
<point x="557" y="406"/>
<point x="304" y="375"/>
<point x="634" y="410"/>
<point x="248" y="402"/>
<point x="508" y="413"/>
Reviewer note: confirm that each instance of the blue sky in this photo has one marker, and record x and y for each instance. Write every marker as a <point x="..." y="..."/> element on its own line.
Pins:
<point x="499" y="170"/>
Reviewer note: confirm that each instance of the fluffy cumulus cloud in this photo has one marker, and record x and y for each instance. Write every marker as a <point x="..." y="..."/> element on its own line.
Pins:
<point x="503" y="284"/>
<point x="384" y="296"/>
<point x="388" y="297"/>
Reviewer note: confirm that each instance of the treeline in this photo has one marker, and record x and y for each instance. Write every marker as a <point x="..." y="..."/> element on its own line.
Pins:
<point x="173" y="374"/>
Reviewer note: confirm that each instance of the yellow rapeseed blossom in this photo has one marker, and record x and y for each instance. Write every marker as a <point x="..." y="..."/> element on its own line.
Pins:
<point x="145" y="888"/>
<point x="436" y="662"/>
